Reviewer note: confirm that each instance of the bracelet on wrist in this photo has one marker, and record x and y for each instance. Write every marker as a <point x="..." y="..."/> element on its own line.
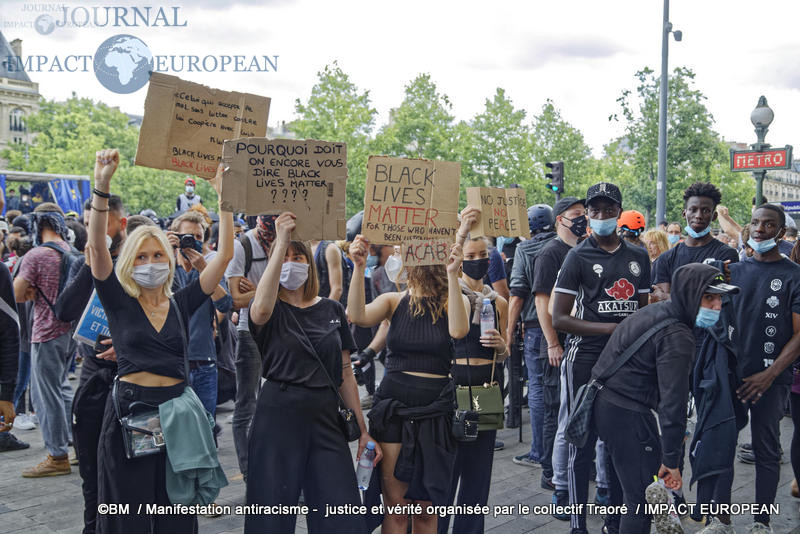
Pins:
<point x="101" y="194"/>
<point x="91" y="206"/>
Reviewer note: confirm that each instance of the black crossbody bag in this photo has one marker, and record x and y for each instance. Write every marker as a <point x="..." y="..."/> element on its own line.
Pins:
<point x="347" y="417"/>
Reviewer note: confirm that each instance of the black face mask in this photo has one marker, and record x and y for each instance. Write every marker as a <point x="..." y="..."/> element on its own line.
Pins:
<point x="578" y="225"/>
<point x="476" y="269"/>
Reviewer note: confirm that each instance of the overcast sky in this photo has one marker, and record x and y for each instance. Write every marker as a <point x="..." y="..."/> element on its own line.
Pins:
<point x="579" y="53"/>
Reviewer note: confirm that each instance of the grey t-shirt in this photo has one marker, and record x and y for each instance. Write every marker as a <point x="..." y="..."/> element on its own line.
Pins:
<point x="236" y="268"/>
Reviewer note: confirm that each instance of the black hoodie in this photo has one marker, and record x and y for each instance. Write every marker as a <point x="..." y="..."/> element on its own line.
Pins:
<point x="657" y="375"/>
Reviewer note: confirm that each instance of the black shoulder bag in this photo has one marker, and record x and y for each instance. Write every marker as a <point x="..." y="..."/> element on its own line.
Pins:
<point x="141" y="429"/>
<point x="347" y="417"/>
<point x="580" y="417"/>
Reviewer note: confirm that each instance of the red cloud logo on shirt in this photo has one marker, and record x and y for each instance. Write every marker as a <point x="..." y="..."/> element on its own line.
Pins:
<point x="621" y="290"/>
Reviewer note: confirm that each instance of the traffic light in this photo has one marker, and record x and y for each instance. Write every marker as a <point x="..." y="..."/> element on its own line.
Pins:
<point x="556" y="176"/>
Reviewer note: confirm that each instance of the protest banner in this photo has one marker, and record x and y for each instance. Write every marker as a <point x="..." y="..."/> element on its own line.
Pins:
<point x="410" y="199"/>
<point x="306" y="177"/>
<point x="92" y="323"/>
<point x="185" y="124"/>
<point x="425" y="252"/>
<point x="504" y="212"/>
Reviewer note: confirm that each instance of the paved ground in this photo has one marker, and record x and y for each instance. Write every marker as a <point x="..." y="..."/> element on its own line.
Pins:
<point x="39" y="506"/>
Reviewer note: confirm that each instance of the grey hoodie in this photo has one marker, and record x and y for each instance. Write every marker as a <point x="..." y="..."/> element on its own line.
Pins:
<point x="657" y="375"/>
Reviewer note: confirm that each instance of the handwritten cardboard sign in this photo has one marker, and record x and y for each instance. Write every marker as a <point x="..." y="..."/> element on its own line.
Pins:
<point x="504" y="212"/>
<point x="425" y="252"/>
<point x="410" y="199"/>
<point x="92" y="323"/>
<point x="185" y="124"/>
<point x="305" y="177"/>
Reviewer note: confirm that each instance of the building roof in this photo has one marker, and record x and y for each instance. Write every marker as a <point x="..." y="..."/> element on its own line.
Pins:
<point x="17" y="72"/>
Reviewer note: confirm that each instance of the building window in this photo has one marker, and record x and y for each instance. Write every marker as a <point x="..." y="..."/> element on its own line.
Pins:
<point x="16" y="121"/>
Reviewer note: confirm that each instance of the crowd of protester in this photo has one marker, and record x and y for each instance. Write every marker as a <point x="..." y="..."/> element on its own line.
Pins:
<point x="289" y="329"/>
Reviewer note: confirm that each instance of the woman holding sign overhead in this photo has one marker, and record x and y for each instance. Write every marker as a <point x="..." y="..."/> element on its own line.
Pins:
<point x="296" y="441"/>
<point x="412" y="412"/>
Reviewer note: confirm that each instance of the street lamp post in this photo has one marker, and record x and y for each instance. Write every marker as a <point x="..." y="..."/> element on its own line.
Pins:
<point x="661" y="186"/>
<point x="761" y="117"/>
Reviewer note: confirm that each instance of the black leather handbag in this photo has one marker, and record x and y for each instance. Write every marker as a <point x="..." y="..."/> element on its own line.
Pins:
<point x="347" y="417"/>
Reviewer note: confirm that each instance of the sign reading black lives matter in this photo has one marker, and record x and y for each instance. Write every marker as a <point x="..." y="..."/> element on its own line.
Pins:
<point x="407" y="199"/>
<point x="185" y="124"/>
<point x="306" y="177"/>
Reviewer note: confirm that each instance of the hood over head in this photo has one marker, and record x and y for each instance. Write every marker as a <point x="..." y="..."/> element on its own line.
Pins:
<point x="686" y="290"/>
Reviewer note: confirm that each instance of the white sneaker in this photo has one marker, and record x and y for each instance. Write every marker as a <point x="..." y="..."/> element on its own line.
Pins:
<point x="34" y="418"/>
<point x="759" y="528"/>
<point x="24" y="422"/>
<point x="717" y="527"/>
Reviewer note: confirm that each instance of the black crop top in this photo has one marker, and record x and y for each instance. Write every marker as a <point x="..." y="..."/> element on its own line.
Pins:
<point x="418" y="344"/>
<point x="470" y="344"/>
<point x="139" y="347"/>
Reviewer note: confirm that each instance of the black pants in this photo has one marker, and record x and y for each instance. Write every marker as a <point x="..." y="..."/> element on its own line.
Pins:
<point x="473" y="466"/>
<point x="634" y="448"/>
<point x="715" y="488"/>
<point x="551" y="398"/>
<point x="579" y="462"/>
<point x="363" y="337"/>
<point x="87" y="409"/>
<point x="765" y="417"/>
<point x="515" y="380"/>
<point x="794" y="400"/>
<point x="296" y="444"/>
<point x="140" y="481"/>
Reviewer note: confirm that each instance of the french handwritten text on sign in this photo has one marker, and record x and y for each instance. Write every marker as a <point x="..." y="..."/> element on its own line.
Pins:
<point x="410" y="199"/>
<point x="93" y="322"/>
<point x="305" y="177"/>
<point x="185" y="124"/>
<point x="425" y="252"/>
<point x="503" y="212"/>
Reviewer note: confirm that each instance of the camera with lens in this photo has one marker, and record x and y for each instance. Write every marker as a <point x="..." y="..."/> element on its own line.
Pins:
<point x="188" y="241"/>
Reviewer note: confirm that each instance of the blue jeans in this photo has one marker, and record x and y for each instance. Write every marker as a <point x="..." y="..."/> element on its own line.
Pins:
<point x="535" y="365"/>
<point x="49" y="383"/>
<point x="204" y="382"/>
<point x="23" y="376"/>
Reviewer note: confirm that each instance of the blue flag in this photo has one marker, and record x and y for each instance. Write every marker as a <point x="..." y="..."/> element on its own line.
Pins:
<point x="67" y="194"/>
<point x="3" y="186"/>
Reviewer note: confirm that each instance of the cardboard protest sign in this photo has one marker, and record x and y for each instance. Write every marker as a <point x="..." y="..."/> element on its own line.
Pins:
<point x="504" y="212"/>
<point x="425" y="252"/>
<point x="92" y="323"/>
<point x="410" y="199"/>
<point x="185" y="124"/>
<point x="306" y="177"/>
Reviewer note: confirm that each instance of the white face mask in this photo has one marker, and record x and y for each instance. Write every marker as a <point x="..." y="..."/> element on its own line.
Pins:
<point x="190" y="189"/>
<point x="151" y="275"/>
<point x="293" y="275"/>
<point x="394" y="269"/>
<point x="109" y="242"/>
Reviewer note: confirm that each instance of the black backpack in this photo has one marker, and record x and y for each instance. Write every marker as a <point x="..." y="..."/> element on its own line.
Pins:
<point x="68" y="260"/>
<point x="248" y="253"/>
<point x="322" y="269"/>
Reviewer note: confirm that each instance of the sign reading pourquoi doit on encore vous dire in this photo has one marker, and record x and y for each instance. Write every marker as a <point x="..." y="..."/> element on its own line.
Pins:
<point x="410" y="199"/>
<point x="305" y="177"/>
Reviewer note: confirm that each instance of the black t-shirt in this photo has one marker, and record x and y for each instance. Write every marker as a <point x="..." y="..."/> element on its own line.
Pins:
<point x="283" y="352"/>
<point x="770" y="293"/>
<point x="681" y="254"/>
<point x="606" y="287"/>
<point x="139" y="347"/>
<point x="548" y="263"/>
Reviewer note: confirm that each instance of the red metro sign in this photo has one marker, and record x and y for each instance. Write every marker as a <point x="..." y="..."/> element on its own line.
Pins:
<point x="752" y="160"/>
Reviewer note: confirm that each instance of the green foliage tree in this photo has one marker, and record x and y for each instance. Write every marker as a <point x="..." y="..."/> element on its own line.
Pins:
<point x="338" y="111"/>
<point x="67" y="135"/>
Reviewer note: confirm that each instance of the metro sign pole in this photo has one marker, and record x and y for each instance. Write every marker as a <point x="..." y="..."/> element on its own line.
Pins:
<point x="762" y="157"/>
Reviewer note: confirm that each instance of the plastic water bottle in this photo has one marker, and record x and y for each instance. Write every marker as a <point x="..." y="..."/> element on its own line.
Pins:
<point x="487" y="316"/>
<point x="365" y="465"/>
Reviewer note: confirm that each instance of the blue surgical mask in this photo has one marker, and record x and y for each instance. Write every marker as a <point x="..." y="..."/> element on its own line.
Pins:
<point x="372" y="261"/>
<point x="696" y="235"/>
<point x="673" y="238"/>
<point x="603" y="227"/>
<point x="762" y="247"/>
<point x="706" y="317"/>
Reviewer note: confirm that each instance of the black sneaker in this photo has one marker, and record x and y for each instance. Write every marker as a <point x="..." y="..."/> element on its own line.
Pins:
<point x="9" y="442"/>
<point x="746" y="446"/>
<point x="499" y="445"/>
<point x="546" y="483"/>
<point x="746" y="456"/>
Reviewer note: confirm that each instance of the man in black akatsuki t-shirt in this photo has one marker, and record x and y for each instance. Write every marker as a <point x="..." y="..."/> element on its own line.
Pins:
<point x="700" y="201"/>
<point x="606" y="280"/>
<point x="767" y="333"/>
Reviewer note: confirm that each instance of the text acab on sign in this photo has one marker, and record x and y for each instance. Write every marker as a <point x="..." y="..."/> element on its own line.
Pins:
<point x="416" y="252"/>
<point x="185" y="124"/>
<point x="503" y="212"/>
<point x="410" y="199"/>
<point x="306" y="177"/>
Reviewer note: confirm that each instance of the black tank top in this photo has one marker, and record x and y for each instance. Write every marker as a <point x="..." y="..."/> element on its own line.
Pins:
<point x="470" y="344"/>
<point x="418" y="344"/>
